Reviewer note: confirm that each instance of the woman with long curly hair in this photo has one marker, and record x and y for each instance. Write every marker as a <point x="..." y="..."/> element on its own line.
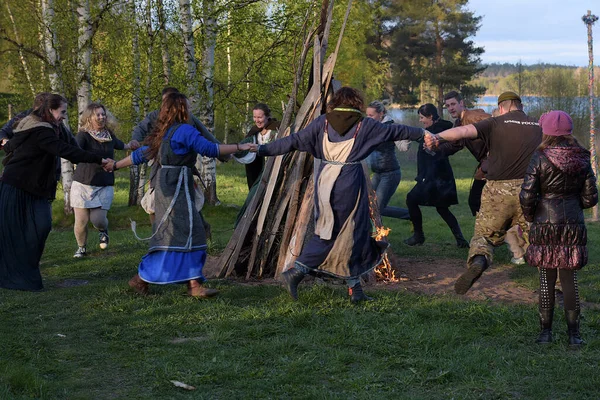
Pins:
<point x="93" y="188"/>
<point x="178" y="242"/>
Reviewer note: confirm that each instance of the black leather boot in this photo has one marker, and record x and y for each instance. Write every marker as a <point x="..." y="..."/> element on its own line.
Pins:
<point x="575" y="340"/>
<point x="461" y="242"/>
<point x="545" y="336"/>
<point x="357" y="295"/>
<point x="292" y="278"/>
<point x="417" y="239"/>
<point x="470" y="276"/>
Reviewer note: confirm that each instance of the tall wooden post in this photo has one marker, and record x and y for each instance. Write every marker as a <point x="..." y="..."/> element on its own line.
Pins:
<point x="589" y="19"/>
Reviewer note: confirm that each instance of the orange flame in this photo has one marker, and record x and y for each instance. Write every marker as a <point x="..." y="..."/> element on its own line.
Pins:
<point x="384" y="271"/>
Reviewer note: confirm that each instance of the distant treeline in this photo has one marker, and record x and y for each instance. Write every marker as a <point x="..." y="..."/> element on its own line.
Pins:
<point x="546" y="87"/>
<point x="536" y="80"/>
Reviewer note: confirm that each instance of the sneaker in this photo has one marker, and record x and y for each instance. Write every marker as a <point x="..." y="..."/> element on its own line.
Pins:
<point x="103" y="239"/>
<point x="80" y="253"/>
<point x="517" y="261"/>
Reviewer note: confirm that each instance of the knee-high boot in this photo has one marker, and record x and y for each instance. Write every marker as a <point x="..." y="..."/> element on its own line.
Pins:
<point x="575" y="340"/>
<point x="546" y="316"/>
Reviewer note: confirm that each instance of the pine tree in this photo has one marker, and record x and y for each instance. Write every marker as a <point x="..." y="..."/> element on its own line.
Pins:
<point x="431" y="47"/>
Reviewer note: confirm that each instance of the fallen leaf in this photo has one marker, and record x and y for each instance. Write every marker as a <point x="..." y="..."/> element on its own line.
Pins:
<point x="183" y="385"/>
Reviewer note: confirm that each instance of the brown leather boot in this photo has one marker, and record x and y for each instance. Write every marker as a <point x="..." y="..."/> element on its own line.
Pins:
<point x="195" y="289"/>
<point x="138" y="285"/>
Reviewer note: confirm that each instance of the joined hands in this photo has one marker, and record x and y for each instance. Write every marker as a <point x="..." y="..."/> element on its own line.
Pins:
<point x="108" y="164"/>
<point x="430" y="141"/>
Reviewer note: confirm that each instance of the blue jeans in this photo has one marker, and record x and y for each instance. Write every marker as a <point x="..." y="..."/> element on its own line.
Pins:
<point x="385" y="185"/>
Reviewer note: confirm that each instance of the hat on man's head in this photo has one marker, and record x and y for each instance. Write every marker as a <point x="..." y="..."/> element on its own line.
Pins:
<point x="556" y="123"/>
<point x="508" y="96"/>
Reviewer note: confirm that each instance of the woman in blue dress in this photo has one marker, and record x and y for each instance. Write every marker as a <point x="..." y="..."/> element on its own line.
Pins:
<point x="177" y="250"/>
<point x="342" y="245"/>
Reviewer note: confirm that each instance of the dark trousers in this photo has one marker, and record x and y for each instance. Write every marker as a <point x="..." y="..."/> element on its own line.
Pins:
<point x="416" y="216"/>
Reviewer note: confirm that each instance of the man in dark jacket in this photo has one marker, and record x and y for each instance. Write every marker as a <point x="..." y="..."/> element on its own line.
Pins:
<point x="145" y="127"/>
<point x="511" y="138"/>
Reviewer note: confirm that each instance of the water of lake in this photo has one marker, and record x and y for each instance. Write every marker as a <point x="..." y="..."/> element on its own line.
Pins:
<point x="411" y="117"/>
<point x="576" y="106"/>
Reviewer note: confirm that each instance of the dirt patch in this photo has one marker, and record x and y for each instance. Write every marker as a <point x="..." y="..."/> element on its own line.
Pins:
<point x="437" y="276"/>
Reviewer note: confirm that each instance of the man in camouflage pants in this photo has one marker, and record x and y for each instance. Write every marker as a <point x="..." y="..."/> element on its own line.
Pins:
<point x="511" y="138"/>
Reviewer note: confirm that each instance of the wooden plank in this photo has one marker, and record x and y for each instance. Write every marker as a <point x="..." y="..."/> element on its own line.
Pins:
<point x="295" y="199"/>
<point x="300" y="228"/>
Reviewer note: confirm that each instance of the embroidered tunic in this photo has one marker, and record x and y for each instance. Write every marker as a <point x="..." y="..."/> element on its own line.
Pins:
<point x="342" y="245"/>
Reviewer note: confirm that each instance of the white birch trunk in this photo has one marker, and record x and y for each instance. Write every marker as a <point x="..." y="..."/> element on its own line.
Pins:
<point x="56" y="85"/>
<point x="134" y="170"/>
<point x="208" y="172"/>
<point x="189" y="53"/>
<point x="84" y="88"/>
<point x="149" y="53"/>
<point x="49" y="40"/>
<point x="21" y="55"/>
<point x="226" y="127"/>
<point x="247" y="123"/>
<point x="84" y="59"/>
<point x="166" y="59"/>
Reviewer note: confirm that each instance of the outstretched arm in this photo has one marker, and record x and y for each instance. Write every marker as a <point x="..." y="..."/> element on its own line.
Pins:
<point x="460" y="132"/>
<point x="453" y="134"/>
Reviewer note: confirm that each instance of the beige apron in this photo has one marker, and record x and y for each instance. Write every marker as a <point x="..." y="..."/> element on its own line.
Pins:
<point x="334" y="157"/>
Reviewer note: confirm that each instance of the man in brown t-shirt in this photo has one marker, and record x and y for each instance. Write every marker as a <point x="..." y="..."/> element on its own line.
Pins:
<point x="511" y="138"/>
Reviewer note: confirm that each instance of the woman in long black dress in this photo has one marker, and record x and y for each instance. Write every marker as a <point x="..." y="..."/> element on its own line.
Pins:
<point x="435" y="183"/>
<point x="27" y="187"/>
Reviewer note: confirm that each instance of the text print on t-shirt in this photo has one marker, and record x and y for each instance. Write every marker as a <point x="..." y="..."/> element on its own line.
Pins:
<point x="512" y="121"/>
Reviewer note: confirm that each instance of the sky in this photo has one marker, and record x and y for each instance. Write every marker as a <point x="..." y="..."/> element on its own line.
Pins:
<point x="532" y="31"/>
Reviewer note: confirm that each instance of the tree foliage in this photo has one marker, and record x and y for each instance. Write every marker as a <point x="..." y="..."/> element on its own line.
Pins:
<point x="389" y="50"/>
<point x="431" y="50"/>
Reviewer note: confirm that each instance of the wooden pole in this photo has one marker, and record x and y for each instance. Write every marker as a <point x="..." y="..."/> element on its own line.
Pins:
<point x="589" y="20"/>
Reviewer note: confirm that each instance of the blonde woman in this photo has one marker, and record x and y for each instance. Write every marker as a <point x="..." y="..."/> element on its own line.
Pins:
<point x="93" y="188"/>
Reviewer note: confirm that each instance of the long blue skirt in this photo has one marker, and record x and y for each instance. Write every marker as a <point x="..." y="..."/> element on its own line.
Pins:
<point x="25" y="222"/>
<point x="163" y="267"/>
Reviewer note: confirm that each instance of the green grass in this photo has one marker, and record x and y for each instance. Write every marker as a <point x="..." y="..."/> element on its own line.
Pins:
<point x="100" y="341"/>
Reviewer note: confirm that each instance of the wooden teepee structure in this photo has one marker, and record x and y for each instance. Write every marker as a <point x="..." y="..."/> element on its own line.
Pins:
<point x="278" y="219"/>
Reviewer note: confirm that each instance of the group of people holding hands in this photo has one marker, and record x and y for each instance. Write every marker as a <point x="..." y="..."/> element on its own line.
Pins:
<point x="531" y="185"/>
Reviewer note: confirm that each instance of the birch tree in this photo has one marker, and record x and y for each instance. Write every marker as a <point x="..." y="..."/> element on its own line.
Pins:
<point x="134" y="170"/>
<point x="50" y="44"/>
<point x="208" y="170"/>
<point x="149" y="53"/>
<point x="166" y="59"/>
<point x="189" y="53"/>
<point x="24" y="63"/>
